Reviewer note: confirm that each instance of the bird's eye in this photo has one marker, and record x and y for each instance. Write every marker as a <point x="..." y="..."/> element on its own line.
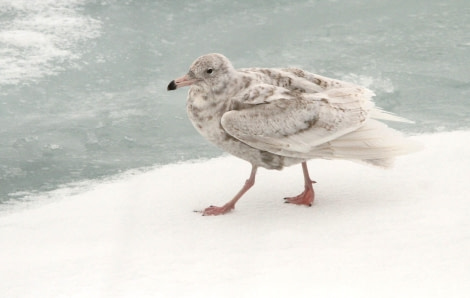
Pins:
<point x="209" y="70"/>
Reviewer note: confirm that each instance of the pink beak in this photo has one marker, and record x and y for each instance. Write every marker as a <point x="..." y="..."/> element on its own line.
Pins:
<point x="181" y="82"/>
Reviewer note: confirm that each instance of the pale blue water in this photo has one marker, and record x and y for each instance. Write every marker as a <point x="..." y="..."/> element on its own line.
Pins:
<point x="83" y="83"/>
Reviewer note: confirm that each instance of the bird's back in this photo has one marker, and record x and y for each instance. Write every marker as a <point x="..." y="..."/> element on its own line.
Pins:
<point x="341" y="126"/>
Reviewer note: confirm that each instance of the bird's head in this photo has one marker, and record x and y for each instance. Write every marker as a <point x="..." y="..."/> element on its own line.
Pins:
<point x="210" y="71"/>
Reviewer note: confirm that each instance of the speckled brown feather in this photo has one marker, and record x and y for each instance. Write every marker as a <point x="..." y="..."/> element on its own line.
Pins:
<point x="279" y="117"/>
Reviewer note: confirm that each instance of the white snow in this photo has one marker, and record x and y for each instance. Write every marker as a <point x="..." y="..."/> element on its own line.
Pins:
<point x="403" y="232"/>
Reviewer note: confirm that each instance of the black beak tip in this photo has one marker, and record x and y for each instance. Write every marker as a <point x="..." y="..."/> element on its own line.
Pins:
<point x="171" y="86"/>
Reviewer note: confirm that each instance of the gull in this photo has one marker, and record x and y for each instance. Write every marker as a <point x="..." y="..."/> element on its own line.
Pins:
<point x="279" y="117"/>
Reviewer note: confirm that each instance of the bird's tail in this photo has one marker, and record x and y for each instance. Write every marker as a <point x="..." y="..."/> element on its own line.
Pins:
<point x="378" y="113"/>
<point x="374" y="143"/>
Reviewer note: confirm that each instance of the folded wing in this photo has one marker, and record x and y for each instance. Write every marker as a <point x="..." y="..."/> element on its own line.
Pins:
<point x="334" y="123"/>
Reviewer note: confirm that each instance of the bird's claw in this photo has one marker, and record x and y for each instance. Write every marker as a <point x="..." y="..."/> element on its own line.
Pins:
<point x="214" y="210"/>
<point x="286" y="201"/>
<point x="305" y="198"/>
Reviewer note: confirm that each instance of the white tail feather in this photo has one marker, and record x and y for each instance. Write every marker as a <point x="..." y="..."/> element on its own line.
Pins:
<point x="378" y="113"/>
<point x="373" y="143"/>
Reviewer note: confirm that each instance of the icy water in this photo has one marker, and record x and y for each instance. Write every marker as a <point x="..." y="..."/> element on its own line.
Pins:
<point x="83" y="83"/>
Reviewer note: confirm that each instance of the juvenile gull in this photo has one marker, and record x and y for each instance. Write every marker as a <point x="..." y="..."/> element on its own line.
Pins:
<point x="278" y="117"/>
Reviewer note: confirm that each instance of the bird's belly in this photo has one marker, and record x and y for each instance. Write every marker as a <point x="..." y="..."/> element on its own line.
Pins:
<point x="211" y="129"/>
<point x="206" y="116"/>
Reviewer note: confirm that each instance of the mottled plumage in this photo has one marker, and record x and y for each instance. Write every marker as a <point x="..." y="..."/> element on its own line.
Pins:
<point x="274" y="118"/>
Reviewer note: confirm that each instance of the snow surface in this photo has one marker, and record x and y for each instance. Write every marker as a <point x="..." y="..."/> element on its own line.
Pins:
<point x="403" y="232"/>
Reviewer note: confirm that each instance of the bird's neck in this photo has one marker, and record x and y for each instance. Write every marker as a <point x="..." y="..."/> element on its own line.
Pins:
<point x="206" y="104"/>
<point x="227" y="86"/>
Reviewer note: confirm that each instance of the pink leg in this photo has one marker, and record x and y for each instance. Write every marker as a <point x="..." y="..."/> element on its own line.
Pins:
<point x="307" y="196"/>
<point x="214" y="210"/>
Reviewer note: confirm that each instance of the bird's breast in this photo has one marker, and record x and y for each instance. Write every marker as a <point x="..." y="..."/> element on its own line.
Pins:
<point x="205" y="116"/>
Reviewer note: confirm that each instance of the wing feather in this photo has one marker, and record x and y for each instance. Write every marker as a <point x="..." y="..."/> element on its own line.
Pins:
<point x="291" y="123"/>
